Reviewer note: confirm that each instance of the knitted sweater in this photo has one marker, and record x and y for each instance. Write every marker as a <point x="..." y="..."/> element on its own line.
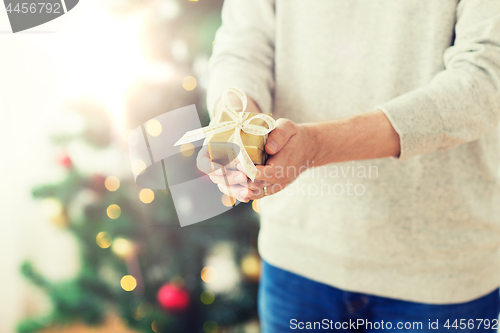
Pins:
<point x="423" y="227"/>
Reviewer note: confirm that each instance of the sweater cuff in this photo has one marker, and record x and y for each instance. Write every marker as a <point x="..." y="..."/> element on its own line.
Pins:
<point x="259" y="93"/>
<point x="415" y="118"/>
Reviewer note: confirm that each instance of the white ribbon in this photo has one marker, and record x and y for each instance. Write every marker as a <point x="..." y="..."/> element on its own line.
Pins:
<point x="238" y="122"/>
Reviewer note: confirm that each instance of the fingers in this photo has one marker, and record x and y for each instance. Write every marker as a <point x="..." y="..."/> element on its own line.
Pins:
<point x="257" y="185"/>
<point x="270" y="190"/>
<point x="250" y="190"/>
<point x="232" y="177"/>
<point x="266" y="173"/>
<point x="204" y="164"/>
<point x="217" y="172"/>
<point x="238" y="192"/>
<point x="220" y="175"/>
<point x="254" y="185"/>
<point x="278" y="137"/>
<point x="245" y="194"/>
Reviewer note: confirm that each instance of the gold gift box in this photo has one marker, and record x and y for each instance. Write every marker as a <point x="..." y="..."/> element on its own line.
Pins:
<point x="254" y="144"/>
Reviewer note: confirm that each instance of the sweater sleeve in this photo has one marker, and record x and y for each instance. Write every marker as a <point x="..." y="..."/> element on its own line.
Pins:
<point x="462" y="102"/>
<point x="243" y="53"/>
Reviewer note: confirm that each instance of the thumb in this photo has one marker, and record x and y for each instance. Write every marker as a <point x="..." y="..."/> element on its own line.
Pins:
<point x="279" y="136"/>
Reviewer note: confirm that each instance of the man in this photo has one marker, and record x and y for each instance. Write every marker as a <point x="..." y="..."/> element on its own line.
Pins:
<point x="388" y="211"/>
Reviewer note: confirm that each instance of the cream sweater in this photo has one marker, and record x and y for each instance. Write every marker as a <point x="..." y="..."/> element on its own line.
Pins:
<point x="424" y="227"/>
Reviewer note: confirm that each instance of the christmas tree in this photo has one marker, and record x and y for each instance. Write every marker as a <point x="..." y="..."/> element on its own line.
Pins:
<point x="137" y="263"/>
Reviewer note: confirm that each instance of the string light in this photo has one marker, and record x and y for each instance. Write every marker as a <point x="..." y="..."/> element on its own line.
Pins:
<point x="112" y="183"/>
<point x="189" y="83"/>
<point x="177" y="280"/>
<point x="122" y="248"/>
<point x="255" y="206"/>
<point x="154" y="127"/>
<point x="155" y="327"/>
<point x="120" y="323"/>
<point x="128" y="283"/>
<point x="114" y="211"/>
<point x="146" y="195"/>
<point x="103" y="240"/>
<point x="52" y="207"/>
<point x="169" y="9"/>
<point x="207" y="297"/>
<point x="179" y="50"/>
<point x="210" y="327"/>
<point x="187" y="149"/>
<point x="250" y="266"/>
<point x="228" y="201"/>
<point x="53" y="210"/>
<point x="139" y="313"/>
<point x="208" y="274"/>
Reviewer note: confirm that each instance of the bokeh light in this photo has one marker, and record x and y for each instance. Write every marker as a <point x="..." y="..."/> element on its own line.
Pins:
<point x="208" y="274"/>
<point x="153" y="127"/>
<point x="189" y="83"/>
<point x="119" y="67"/>
<point x="179" y="50"/>
<point x="103" y="239"/>
<point x="52" y="207"/>
<point x="140" y="312"/>
<point x="255" y="206"/>
<point x="228" y="201"/>
<point x="210" y="327"/>
<point x="128" y="283"/>
<point x="123" y="247"/>
<point x="207" y="297"/>
<point x="250" y="266"/>
<point x="169" y="9"/>
<point x="114" y="211"/>
<point x="187" y="149"/>
<point x="156" y="327"/>
<point x="112" y="183"/>
<point x="146" y="195"/>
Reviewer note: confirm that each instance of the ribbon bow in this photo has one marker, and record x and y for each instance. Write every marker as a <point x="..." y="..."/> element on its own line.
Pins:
<point x="238" y="122"/>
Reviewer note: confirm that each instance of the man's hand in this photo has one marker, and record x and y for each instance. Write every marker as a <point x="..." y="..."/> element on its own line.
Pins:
<point x="290" y="147"/>
<point x="295" y="147"/>
<point x="288" y="144"/>
<point x="237" y="180"/>
<point x="222" y="176"/>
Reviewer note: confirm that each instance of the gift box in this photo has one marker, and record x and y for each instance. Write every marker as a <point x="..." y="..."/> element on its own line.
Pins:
<point x="254" y="144"/>
<point x="234" y="134"/>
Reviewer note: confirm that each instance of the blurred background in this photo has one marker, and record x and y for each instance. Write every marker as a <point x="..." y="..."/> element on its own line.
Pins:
<point x="84" y="249"/>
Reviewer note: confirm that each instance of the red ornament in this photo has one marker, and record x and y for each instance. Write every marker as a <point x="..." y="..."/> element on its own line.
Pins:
<point x="173" y="298"/>
<point x="64" y="160"/>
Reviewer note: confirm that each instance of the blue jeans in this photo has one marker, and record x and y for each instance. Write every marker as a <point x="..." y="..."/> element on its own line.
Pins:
<point x="289" y="303"/>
